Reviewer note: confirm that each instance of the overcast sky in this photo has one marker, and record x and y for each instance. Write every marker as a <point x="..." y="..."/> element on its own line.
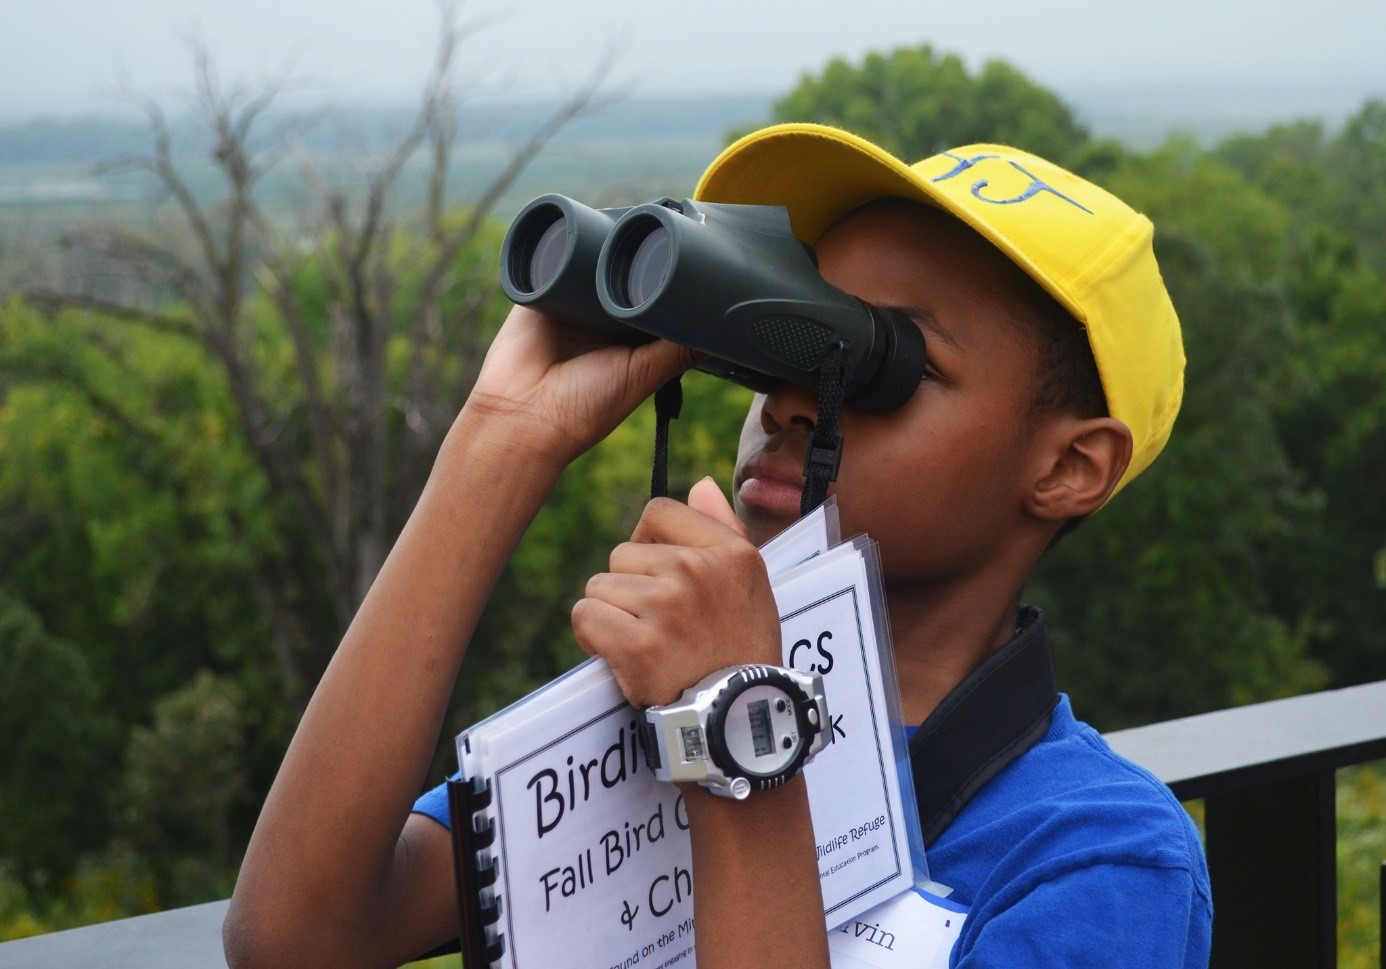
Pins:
<point x="69" y="56"/>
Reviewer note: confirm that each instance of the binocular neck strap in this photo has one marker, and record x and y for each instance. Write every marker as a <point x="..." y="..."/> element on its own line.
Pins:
<point x="668" y="401"/>
<point x="825" y="447"/>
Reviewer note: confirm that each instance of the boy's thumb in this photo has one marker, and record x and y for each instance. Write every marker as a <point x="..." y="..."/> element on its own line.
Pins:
<point x="706" y="497"/>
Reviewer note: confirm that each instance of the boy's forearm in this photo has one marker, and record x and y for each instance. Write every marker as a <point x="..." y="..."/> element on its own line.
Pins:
<point x="388" y="684"/>
<point x="328" y="831"/>
<point x="756" y="894"/>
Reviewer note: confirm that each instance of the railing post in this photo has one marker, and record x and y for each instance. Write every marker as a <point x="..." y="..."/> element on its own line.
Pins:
<point x="1272" y="860"/>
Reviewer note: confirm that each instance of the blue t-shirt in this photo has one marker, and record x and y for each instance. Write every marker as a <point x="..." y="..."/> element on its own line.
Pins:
<point x="1073" y="856"/>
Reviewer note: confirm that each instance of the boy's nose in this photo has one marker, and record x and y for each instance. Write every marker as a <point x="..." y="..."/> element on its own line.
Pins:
<point x="788" y="405"/>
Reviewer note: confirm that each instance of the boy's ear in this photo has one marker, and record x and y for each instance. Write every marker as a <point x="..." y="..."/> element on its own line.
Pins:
<point x="1080" y="462"/>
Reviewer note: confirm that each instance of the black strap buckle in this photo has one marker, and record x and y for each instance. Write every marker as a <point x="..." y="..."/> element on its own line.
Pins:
<point x="826" y="457"/>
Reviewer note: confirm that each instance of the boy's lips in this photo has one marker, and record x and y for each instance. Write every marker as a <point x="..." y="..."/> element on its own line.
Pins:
<point x="773" y="483"/>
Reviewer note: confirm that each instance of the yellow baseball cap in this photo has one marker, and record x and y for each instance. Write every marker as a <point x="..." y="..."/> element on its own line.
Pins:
<point x="1085" y="246"/>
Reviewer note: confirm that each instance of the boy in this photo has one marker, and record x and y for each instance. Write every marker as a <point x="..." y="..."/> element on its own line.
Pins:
<point x="1065" y="855"/>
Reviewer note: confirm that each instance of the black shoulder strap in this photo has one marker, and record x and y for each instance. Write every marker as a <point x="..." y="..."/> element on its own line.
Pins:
<point x="992" y="717"/>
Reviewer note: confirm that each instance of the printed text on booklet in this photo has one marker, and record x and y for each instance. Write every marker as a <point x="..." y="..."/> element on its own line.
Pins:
<point x="589" y="846"/>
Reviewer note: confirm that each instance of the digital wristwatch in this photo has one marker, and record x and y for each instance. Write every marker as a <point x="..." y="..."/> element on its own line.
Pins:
<point x="740" y="729"/>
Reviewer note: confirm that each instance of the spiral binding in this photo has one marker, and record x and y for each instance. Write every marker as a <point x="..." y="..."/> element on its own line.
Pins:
<point x="479" y="905"/>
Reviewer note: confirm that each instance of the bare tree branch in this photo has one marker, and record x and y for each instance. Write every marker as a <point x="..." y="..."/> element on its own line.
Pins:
<point x="149" y="261"/>
<point x="163" y="166"/>
<point x="274" y="277"/>
<point x="586" y="99"/>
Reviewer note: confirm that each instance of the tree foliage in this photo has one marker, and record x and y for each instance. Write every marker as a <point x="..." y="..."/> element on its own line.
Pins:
<point x="915" y="102"/>
<point x="56" y="734"/>
<point x="183" y="779"/>
<point x="1333" y="423"/>
<point x="1330" y="413"/>
<point x="1160" y="605"/>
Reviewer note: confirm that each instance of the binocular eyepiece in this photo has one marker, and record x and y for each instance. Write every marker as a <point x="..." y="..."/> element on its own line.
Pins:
<point x="730" y="281"/>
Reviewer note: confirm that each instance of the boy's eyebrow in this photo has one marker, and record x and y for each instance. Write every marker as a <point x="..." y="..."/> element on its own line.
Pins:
<point x="929" y="323"/>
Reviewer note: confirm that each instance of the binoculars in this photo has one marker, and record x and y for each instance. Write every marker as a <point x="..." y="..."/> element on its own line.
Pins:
<point x="730" y="281"/>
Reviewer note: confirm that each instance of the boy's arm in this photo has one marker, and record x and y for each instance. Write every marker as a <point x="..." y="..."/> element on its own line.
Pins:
<point x="687" y="595"/>
<point x="332" y="874"/>
<point x="756" y="895"/>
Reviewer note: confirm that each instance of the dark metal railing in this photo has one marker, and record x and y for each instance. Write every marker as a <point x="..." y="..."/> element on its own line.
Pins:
<point x="1264" y="772"/>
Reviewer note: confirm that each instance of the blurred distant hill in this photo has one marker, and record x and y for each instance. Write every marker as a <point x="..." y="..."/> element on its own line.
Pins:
<point x="340" y="128"/>
<point x="1143" y="115"/>
<point x="627" y="152"/>
<point x="50" y="169"/>
<point x="1138" y="114"/>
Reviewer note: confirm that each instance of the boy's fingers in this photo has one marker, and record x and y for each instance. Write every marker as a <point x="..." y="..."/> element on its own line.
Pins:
<point x="654" y="364"/>
<point x="598" y="624"/>
<point x="642" y="558"/>
<point x="706" y="496"/>
<point x="669" y="522"/>
<point x="633" y="594"/>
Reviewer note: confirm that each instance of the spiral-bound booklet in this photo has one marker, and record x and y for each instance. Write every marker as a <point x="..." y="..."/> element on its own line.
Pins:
<point x="570" y="853"/>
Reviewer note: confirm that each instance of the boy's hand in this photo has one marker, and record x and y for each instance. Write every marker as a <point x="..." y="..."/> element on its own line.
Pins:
<point x="563" y="389"/>
<point x="687" y="595"/>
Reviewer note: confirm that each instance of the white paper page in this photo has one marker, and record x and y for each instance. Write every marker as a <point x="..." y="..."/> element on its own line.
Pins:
<point x="859" y="824"/>
<point x="915" y="930"/>
<point x="811" y="535"/>
<point x="477" y="745"/>
<point x="592" y="848"/>
<point x="596" y="865"/>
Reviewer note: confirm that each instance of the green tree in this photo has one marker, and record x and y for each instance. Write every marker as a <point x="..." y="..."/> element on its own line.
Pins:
<point x="184" y="776"/>
<point x="1187" y="191"/>
<point x="916" y="102"/>
<point x="137" y="526"/>
<point x="58" y="740"/>
<point x="1162" y="605"/>
<point x="1331" y="413"/>
<point x="131" y="514"/>
<point x="1355" y="163"/>
<point x="1286" y="162"/>
<point x="1333" y="423"/>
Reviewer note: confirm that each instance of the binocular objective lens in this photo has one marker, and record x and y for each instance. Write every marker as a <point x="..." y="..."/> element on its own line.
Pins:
<point x="648" y="266"/>
<point x="548" y="254"/>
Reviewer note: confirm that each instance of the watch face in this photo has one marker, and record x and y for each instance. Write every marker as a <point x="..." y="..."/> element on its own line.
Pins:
<point x="761" y="730"/>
